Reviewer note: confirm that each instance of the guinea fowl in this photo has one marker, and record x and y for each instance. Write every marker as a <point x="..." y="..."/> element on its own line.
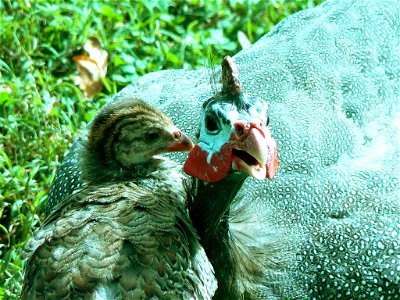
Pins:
<point x="126" y="233"/>
<point x="330" y="216"/>
<point x="234" y="142"/>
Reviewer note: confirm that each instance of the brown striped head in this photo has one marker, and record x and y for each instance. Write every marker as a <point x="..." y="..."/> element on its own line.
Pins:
<point x="129" y="133"/>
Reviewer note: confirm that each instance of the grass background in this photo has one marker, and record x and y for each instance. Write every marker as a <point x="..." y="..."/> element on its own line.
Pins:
<point x="42" y="110"/>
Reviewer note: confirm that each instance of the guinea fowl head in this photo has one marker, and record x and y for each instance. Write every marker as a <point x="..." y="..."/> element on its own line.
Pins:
<point x="233" y="134"/>
<point x="125" y="138"/>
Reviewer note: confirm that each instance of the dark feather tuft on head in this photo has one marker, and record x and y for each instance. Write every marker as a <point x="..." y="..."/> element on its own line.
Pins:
<point x="212" y="71"/>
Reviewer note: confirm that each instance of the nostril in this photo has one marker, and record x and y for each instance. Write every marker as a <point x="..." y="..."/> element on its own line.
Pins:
<point x="177" y="134"/>
<point x="239" y="128"/>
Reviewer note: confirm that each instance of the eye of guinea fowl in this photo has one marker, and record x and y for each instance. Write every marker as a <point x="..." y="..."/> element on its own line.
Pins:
<point x="151" y="137"/>
<point x="212" y="124"/>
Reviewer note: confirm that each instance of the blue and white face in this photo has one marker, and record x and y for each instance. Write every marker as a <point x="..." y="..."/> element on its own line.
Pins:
<point x="233" y="138"/>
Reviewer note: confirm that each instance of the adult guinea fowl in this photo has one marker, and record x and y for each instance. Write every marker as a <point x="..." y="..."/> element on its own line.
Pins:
<point x="234" y="141"/>
<point x="126" y="233"/>
<point x="330" y="215"/>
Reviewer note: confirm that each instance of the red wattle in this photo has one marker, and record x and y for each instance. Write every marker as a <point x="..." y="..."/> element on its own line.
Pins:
<point x="272" y="162"/>
<point x="197" y="166"/>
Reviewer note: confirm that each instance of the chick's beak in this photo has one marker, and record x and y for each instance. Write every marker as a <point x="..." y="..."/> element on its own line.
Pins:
<point x="181" y="142"/>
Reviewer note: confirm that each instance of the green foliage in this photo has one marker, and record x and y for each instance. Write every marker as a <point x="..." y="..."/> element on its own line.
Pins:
<point x="42" y="110"/>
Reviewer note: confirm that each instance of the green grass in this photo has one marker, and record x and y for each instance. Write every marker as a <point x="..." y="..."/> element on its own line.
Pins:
<point x="42" y="110"/>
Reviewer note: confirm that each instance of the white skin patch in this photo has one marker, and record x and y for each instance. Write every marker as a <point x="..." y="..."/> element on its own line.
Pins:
<point x="210" y="154"/>
<point x="233" y="115"/>
<point x="263" y="110"/>
<point x="212" y="143"/>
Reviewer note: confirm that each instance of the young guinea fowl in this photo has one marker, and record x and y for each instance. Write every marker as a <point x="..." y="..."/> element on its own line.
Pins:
<point x="330" y="216"/>
<point x="125" y="234"/>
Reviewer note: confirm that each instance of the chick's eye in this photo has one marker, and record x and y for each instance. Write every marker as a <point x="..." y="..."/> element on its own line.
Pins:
<point x="267" y="121"/>
<point x="212" y="124"/>
<point x="151" y="136"/>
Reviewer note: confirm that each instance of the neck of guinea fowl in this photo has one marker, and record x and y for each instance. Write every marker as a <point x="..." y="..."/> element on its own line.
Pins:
<point x="209" y="211"/>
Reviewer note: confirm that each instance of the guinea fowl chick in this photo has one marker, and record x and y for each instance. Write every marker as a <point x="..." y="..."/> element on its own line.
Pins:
<point x="126" y="233"/>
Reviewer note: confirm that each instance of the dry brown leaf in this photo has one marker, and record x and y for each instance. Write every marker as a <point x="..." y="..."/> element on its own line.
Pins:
<point x="92" y="67"/>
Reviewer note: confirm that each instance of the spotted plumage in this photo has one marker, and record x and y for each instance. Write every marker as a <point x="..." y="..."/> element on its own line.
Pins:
<point x="125" y="234"/>
<point x="331" y="79"/>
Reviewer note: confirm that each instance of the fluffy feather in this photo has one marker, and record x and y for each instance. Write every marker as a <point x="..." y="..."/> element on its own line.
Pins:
<point x="126" y="233"/>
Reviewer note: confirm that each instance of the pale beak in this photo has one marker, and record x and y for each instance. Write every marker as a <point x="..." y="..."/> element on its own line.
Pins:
<point x="254" y="150"/>
<point x="181" y="142"/>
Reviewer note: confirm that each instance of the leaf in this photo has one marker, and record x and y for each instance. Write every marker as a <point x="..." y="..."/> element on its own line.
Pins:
<point x="243" y="40"/>
<point x="92" y="67"/>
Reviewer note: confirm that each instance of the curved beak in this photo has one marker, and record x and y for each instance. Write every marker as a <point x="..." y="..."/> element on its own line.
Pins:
<point x="254" y="151"/>
<point x="181" y="142"/>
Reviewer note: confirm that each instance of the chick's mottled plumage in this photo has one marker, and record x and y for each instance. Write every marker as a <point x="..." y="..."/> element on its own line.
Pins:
<point x="126" y="232"/>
